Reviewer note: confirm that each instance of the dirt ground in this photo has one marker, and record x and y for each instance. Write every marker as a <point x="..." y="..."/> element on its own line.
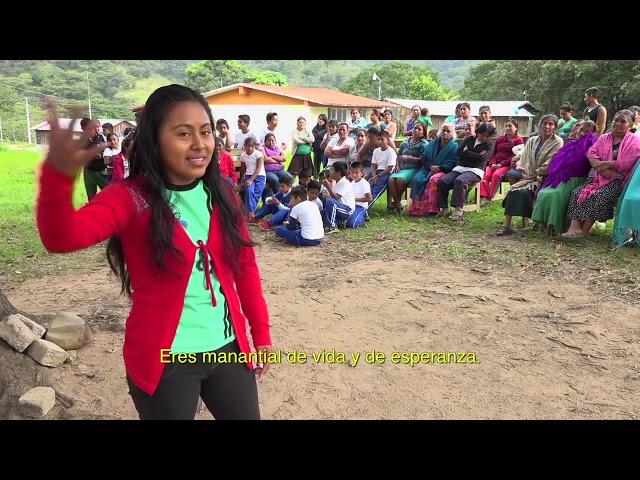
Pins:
<point x="546" y="347"/>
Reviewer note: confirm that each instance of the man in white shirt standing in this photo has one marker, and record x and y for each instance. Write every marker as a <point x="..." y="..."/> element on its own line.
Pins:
<point x="272" y="124"/>
<point x="341" y="202"/>
<point x="243" y="131"/>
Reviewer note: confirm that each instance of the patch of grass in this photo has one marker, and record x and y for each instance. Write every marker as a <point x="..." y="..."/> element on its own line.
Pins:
<point x="143" y="88"/>
<point x="18" y="234"/>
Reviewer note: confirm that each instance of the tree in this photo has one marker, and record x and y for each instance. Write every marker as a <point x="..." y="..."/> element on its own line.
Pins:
<point x="550" y="83"/>
<point x="426" y="88"/>
<point x="210" y="74"/>
<point x="396" y="78"/>
<point x="267" y="77"/>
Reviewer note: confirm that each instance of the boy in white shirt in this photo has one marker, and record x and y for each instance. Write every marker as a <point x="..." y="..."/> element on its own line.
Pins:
<point x="304" y="227"/>
<point x="255" y="176"/>
<point x="382" y="163"/>
<point x="341" y="202"/>
<point x="271" y="127"/>
<point x="244" y="132"/>
<point x="362" y="193"/>
<point x="313" y="192"/>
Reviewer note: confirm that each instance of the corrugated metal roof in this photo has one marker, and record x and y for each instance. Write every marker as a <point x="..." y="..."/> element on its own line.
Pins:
<point x="317" y="95"/>
<point x="446" y="108"/>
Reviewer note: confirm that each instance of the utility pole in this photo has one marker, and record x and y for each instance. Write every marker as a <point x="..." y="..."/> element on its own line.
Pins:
<point x="89" y="95"/>
<point x="26" y="99"/>
<point x="376" y="77"/>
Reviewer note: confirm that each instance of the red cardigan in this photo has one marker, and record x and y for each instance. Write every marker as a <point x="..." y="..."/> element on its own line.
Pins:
<point x="118" y="167"/>
<point x="157" y="295"/>
<point x="227" y="167"/>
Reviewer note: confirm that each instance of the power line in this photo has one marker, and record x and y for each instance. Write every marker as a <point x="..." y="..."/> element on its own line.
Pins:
<point x="39" y="94"/>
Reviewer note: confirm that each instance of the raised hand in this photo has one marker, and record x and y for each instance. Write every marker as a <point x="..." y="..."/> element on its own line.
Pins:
<point x="66" y="154"/>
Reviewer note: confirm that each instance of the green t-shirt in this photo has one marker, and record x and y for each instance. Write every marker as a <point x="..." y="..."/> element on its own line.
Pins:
<point x="202" y="326"/>
<point x="426" y="119"/>
<point x="565" y="127"/>
<point x="304" y="148"/>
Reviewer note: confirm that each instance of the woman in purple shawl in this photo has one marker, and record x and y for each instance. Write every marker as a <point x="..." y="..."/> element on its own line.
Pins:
<point x="568" y="169"/>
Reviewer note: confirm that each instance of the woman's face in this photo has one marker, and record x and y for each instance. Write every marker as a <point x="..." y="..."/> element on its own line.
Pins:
<point x="547" y="127"/>
<point x="271" y="142"/>
<point x="113" y="141"/>
<point x="464" y="112"/>
<point x="186" y="142"/>
<point x="621" y="124"/>
<point x="415" y="112"/>
<point x="418" y="132"/>
<point x="333" y="129"/>
<point x="585" y="129"/>
<point x="510" y="129"/>
<point x="446" y="133"/>
<point x="485" y="116"/>
<point x="373" y="117"/>
<point x="301" y="124"/>
<point x="321" y="122"/>
<point x="388" y="116"/>
<point x="566" y="115"/>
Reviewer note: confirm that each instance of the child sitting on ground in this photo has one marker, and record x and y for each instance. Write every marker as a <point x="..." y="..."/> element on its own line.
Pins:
<point x="278" y="206"/>
<point x="362" y="192"/>
<point x="342" y="202"/>
<point x="304" y="176"/>
<point x="304" y="227"/>
<point x="313" y="192"/>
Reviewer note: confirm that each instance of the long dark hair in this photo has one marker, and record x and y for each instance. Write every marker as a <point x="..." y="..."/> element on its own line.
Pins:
<point x="150" y="178"/>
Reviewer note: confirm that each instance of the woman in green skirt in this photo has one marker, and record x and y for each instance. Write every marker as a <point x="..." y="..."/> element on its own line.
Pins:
<point x="408" y="163"/>
<point x="568" y="169"/>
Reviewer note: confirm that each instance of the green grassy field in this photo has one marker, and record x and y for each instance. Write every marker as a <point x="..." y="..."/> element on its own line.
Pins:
<point x="470" y="239"/>
<point x="18" y="235"/>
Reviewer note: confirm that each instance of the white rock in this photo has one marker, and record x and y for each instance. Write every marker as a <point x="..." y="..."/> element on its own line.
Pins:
<point x="16" y="333"/>
<point x="69" y="331"/>
<point x="37" y="402"/>
<point x="47" y="353"/>
<point x="37" y="329"/>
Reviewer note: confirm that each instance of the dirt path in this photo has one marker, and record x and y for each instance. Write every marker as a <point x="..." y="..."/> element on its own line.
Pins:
<point x="546" y="348"/>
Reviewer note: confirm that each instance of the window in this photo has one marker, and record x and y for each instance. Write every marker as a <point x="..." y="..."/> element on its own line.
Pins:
<point x="340" y="114"/>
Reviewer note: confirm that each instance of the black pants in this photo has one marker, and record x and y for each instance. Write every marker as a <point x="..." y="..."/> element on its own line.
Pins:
<point x="228" y="390"/>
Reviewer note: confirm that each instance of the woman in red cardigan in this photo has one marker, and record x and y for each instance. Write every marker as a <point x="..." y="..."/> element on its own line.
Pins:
<point x="179" y="245"/>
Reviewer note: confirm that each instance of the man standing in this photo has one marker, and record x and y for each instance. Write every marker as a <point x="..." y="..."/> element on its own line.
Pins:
<point x="595" y="111"/>
<point x="95" y="173"/>
<point x="272" y="123"/>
